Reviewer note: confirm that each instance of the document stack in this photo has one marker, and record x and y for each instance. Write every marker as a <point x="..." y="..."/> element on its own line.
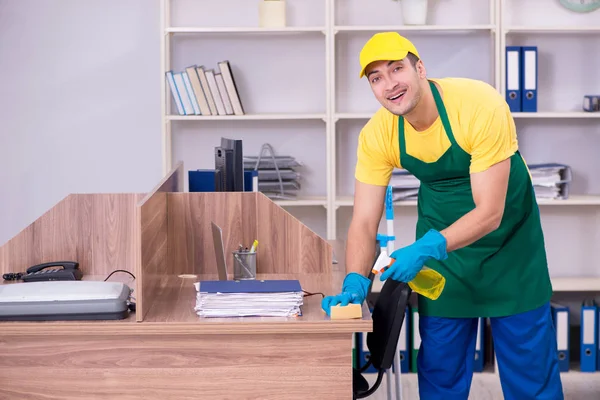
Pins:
<point x="248" y="298"/>
<point x="551" y="181"/>
<point x="277" y="178"/>
<point x="405" y="186"/>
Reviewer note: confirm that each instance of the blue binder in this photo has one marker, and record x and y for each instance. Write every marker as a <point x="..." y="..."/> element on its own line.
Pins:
<point x="589" y="336"/>
<point x="203" y="180"/>
<point x="479" y="354"/>
<point x="529" y="78"/>
<point x="364" y="353"/>
<point x="560" y="316"/>
<point x="251" y="286"/>
<point x="513" y="77"/>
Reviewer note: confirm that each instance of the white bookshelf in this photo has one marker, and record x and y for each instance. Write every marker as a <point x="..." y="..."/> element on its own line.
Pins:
<point x="300" y="89"/>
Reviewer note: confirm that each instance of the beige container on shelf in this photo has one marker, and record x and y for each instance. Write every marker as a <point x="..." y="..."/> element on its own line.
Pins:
<point x="271" y="14"/>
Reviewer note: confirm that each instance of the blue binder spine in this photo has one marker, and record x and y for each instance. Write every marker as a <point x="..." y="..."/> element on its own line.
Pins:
<point x="529" y="78"/>
<point x="589" y="336"/>
<point x="560" y="315"/>
<point x="513" y="78"/>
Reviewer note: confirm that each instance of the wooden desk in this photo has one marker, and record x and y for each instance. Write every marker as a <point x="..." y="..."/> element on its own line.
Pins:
<point x="174" y="354"/>
<point x="165" y="351"/>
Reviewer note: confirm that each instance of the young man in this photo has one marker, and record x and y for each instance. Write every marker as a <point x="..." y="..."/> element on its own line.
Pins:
<point x="478" y="224"/>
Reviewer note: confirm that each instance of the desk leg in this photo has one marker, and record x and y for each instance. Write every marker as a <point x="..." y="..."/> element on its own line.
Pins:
<point x="153" y="366"/>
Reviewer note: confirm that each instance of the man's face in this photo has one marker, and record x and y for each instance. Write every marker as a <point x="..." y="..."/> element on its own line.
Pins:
<point x="395" y="84"/>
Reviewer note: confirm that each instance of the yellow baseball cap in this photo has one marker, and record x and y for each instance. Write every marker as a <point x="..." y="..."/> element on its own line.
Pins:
<point x="385" y="46"/>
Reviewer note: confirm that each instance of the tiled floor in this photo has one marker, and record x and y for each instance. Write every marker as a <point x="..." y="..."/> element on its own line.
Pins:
<point x="486" y="386"/>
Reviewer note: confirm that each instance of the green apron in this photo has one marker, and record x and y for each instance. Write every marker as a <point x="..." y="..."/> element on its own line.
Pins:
<point x="503" y="273"/>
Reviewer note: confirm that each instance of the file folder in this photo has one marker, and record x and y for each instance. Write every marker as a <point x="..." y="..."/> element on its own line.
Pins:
<point x="479" y="356"/>
<point x="529" y="78"/>
<point x="203" y="180"/>
<point x="416" y="339"/>
<point x="513" y="77"/>
<point x="364" y="353"/>
<point x="589" y="336"/>
<point x="591" y="103"/>
<point x="560" y="316"/>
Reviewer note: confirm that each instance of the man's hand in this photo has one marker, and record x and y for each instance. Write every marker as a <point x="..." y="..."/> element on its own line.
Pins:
<point x="409" y="260"/>
<point x="489" y="194"/>
<point x="354" y="290"/>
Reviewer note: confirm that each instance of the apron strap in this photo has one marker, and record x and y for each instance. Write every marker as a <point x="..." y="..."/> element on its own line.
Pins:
<point x="442" y="111"/>
<point x="443" y="116"/>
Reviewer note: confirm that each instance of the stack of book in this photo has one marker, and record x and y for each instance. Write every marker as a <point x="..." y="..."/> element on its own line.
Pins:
<point x="277" y="177"/>
<point x="551" y="181"/>
<point x="198" y="90"/>
<point x="248" y="298"/>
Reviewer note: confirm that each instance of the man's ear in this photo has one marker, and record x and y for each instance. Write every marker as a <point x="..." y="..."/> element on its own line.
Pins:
<point x="421" y="71"/>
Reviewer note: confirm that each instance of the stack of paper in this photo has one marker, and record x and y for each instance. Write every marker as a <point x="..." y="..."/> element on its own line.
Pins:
<point x="268" y="298"/>
<point x="277" y="177"/>
<point x="551" y="181"/>
<point x="405" y="186"/>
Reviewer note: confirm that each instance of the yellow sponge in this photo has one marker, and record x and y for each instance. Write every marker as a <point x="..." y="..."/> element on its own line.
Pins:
<point x="350" y="311"/>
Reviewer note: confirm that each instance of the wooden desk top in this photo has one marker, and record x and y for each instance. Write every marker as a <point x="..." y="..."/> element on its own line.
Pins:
<point x="173" y="312"/>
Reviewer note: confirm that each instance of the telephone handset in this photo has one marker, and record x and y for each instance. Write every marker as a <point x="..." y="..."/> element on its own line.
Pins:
<point x="48" y="272"/>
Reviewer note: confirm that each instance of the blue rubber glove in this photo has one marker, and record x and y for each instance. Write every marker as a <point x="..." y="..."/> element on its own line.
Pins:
<point x="354" y="290"/>
<point x="410" y="259"/>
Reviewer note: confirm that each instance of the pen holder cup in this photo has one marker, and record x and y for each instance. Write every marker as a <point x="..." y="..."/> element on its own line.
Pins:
<point x="244" y="265"/>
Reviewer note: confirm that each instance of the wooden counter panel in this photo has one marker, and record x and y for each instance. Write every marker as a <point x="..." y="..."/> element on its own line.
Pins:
<point x="176" y="367"/>
<point x="191" y="249"/>
<point x="96" y="230"/>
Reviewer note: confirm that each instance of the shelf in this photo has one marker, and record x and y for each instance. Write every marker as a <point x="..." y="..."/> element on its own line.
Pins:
<point x="519" y="115"/>
<point x="347" y="201"/>
<point x="584" y="284"/>
<point x="556" y="114"/>
<point x="358" y="115"/>
<point x="249" y="29"/>
<point x="303" y="201"/>
<point x="552" y="29"/>
<point x="581" y="200"/>
<point x="412" y="28"/>
<point x="574" y="200"/>
<point x="256" y="117"/>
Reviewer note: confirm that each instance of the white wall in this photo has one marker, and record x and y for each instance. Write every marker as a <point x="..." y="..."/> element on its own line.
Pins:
<point x="79" y="102"/>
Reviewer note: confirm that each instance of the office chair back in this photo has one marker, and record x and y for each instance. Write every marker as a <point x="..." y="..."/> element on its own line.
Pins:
<point x="388" y="317"/>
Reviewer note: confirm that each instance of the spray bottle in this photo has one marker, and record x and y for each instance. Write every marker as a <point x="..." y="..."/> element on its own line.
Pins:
<point x="427" y="282"/>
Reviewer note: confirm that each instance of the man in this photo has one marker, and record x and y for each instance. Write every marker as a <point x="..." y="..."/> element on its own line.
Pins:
<point x="478" y="224"/>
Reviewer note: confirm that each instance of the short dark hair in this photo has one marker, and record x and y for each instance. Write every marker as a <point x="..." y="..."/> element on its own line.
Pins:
<point x="413" y="59"/>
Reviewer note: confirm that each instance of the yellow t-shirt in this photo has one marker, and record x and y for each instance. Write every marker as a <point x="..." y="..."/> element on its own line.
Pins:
<point x="481" y="122"/>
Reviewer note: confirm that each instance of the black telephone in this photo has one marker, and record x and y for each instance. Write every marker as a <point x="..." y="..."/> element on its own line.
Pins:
<point x="46" y="272"/>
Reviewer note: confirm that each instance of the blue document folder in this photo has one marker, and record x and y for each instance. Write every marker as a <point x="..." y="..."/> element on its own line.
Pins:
<point x="250" y="286"/>
<point x="589" y="336"/>
<point x="560" y="317"/>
